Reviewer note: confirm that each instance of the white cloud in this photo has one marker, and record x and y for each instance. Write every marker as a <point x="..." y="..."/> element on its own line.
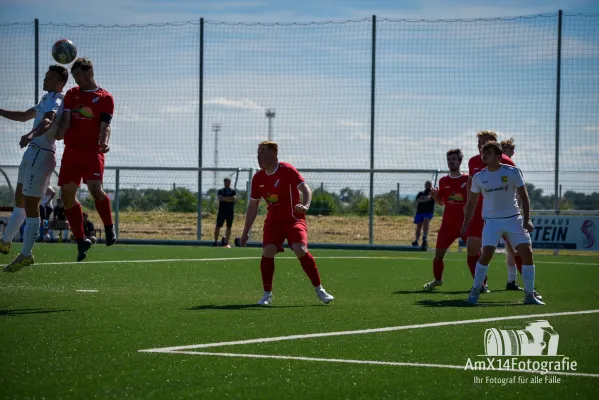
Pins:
<point x="243" y="104"/>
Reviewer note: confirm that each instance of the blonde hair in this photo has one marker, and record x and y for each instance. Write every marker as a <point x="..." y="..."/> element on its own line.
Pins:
<point x="508" y="143"/>
<point x="491" y="134"/>
<point x="271" y="145"/>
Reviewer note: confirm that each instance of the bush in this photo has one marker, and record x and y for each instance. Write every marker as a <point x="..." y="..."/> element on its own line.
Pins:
<point x="322" y="204"/>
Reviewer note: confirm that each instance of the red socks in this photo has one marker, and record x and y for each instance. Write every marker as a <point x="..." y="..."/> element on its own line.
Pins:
<point x="105" y="211"/>
<point x="75" y="217"/>
<point x="438" y="267"/>
<point x="309" y="266"/>
<point x="518" y="263"/>
<point x="267" y="268"/>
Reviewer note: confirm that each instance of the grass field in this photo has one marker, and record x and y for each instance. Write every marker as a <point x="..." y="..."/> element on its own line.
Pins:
<point x="61" y="343"/>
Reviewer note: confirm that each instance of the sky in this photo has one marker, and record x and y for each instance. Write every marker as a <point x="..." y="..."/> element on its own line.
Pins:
<point x="437" y="83"/>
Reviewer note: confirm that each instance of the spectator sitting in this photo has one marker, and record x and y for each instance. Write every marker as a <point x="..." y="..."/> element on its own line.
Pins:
<point x="59" y="223"/>
<point x="88" y="229"/>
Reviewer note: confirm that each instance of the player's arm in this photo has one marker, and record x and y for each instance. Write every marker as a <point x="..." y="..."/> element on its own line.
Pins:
<point x="39" y="130"/>
<point x="437" y="195"/>
<point x="306" y="198"/>
<point x="473" y="194"/>
<point x="19" y="116"/>
<point x="250" y="217"/>
<point x="64" y="125"/>
<point x="523" y="195"/>
<point x="105" y="120"/>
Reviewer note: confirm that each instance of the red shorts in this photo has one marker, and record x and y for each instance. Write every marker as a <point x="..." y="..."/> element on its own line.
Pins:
<point x="448" y="234"/>
<point x="81" y="164"/>
<point x="276" y="233"/>
<point x="475" y="229"/>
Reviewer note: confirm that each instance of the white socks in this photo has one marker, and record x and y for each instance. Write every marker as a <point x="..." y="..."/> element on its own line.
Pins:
<point x="479" y="275"/>
<point x="528" y="276"/>
<point x="14" y="223"/>
<point x="512" y="272"/>
<point x="32" y="229"/>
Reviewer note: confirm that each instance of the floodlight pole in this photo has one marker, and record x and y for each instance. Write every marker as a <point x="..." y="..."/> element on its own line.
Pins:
<point x="216" y="128"/>
<point x="270" y="114"/>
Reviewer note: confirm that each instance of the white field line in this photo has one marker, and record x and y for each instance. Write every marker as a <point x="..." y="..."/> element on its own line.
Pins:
<point x="362" y="331"/>
<point x="171" y="260"/>
<point x="369" y="362"/>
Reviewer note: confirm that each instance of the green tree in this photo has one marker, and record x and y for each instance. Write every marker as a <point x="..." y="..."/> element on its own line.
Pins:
<point x="182" y="200"/>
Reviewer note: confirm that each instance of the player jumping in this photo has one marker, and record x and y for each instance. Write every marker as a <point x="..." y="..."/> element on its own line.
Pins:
<point x="280" y="185"/>
<point x="86" y="126"/>
<point x="37" y="165"/>
<point x="452" y="193"/>
<point x="498" y="183"/>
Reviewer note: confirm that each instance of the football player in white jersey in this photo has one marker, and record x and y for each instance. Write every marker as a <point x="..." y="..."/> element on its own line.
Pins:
<point x="36" y="166"/>
<point x="499" y="183"/>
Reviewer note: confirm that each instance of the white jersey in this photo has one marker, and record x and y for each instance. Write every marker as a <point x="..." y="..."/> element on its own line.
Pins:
<point x="50" y="102"/>
<point x="498" y="189"/>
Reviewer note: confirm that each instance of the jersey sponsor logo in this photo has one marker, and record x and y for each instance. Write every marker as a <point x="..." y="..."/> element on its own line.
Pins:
<point x="504" y="179"/>
<point x="457" y="197"/>
<point x="84" y="111"/>
<point x="498" y="189"/>
<point x="272" y="198"/>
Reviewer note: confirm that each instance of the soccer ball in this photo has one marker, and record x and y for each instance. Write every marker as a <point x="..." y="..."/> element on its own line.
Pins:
<point x="64" y="51"/>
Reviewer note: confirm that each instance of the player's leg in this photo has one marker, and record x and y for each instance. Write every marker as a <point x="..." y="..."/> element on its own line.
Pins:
<point x="102" y="202"/>
<point x="418" y="222"/>
<point x="297" y="237"/>
<point x="513" y="264"/>
<point x="490" y="237"/>
<point x="447" y="235"/>
<point x="272" y="243"/>
<point x="229" y="221"/>
<point x="520" y="238"/>
<point x="474" y="245"/>
<point x="17" y="217"/>
<point x="220" y="221"/>
<point x="425" y="224"/>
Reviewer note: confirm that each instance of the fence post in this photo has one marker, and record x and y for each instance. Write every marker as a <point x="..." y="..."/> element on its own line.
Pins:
<point x="372" y="93"/>
<point x="557" y="105"/>
<point x="37" y="61"/>
<point x="117" y="201"/>
<point x="398" y="200"/>
<point x="200" y="130"/>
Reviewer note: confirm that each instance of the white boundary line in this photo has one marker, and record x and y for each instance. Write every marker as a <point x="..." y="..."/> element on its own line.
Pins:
<point x="362" y="331"/>
<point x="171" y="260"/>
<point x="369" y="362"/>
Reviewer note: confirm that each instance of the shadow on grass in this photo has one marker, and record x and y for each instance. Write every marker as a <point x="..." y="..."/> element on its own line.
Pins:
<point x="461" y="303"/>
<point x="242" y="307"/>
<point x="421" y="291"/>
<point x="26" y="311"/>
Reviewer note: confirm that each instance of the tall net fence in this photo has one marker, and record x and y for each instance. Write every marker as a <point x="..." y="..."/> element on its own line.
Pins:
<point x="309" y="87"/>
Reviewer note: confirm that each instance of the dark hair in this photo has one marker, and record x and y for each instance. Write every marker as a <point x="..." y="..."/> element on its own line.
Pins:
<point x="493" y="145"/>
<point x="84" y="63"/>
<point x="227" y="179"/>
<point x="457" y="152"/>
<point x="60" y="70"/>
<point x="85" y="215"/>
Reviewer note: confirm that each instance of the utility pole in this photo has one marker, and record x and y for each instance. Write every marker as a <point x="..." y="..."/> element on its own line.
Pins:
<point x="216" y="128"/>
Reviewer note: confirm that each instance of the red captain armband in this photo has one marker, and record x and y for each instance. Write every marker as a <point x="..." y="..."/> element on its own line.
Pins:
<point x="105" y="117"/>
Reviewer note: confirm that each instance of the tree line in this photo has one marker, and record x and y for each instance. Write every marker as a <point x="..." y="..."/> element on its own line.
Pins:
<point x="347" y="201"/>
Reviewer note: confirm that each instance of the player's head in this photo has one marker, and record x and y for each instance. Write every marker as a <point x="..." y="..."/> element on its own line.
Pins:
<point x="55" y="79"/>
<point x="454" y="159"/>
<point x="83" y="73"/>
<point x="227" y="182"/>
<point x="484" y="137"/>
<point x="508" y="147"/>
<point x="428" y="185"/>
<point x="491" y="154"/>
<point x="268" y="152"/>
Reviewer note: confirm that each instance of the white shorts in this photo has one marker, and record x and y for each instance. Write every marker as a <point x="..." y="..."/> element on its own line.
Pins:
<point x="511" y="227"/>
<point x="35" y="171"/>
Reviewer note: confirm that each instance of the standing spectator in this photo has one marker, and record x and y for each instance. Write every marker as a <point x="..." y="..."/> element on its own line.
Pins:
<point x="226" y="211"/>
<point x="59" y="223"/>
<point x="425" y="208"/>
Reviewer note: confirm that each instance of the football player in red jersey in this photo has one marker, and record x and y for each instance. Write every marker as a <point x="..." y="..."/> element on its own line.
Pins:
<point x="452" y="193"/>
<point x="86" y="127"/>
<point x="280" y="184"/>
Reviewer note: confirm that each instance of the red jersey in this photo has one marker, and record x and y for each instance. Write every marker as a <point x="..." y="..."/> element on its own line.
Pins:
<point x="453" y="192"/>
<point x="280" y="190"/>
<point x="86" y="107"/>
